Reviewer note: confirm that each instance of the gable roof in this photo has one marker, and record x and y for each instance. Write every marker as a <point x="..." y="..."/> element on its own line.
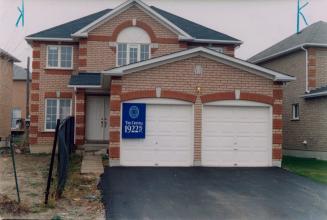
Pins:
<point x="64" y="31"/>
<point x="19" y="73"/>
<point x="8" y="56"/>
<point x="212" y="54"/>
<point x="185" y="29"/>
<point x="313" y="35"/>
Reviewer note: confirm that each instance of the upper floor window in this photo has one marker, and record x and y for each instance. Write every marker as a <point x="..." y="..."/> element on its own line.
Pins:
<point x="133" y="45"/>
<point x="60" y="57"/>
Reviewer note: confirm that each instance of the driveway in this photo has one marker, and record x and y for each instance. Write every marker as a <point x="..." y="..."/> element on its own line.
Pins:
<point x="211" y="193"/>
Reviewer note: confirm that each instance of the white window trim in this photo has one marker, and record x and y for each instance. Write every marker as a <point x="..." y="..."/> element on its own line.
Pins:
<point x="59" y="58"/>
<point x="57" y="111"/>
<point x="132" y="45"/>
<point x="294" y="118"/>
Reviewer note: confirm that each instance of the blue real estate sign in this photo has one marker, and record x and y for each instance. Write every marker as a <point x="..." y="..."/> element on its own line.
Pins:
<point x="133" y="121"/>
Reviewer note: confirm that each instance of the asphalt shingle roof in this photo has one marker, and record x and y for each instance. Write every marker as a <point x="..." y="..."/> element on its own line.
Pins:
<point x="66" y="29"/>
<point x="313" y="34"/>
<point x="19" y="73"/>
<point x="195" y="30"/>
<point x="321" y="91"/>
<point x="89" y="79"/>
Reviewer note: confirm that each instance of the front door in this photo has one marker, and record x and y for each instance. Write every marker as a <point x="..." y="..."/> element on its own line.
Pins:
<point x="97" y="119"/>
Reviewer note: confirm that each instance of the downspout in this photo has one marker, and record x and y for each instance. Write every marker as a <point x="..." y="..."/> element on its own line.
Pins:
<point x="306" y="69"/>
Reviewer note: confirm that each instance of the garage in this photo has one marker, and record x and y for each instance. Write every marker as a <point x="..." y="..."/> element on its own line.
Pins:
<point x="236" y="133"/>
<point x="168" y="138"/>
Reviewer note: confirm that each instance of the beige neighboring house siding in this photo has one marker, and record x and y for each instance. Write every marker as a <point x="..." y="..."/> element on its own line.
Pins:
<point x="311" y="127"/>
<point x="19" y="96"/>
<point x="6" y="83"/>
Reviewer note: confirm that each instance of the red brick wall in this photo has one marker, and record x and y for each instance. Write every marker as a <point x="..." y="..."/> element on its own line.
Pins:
<point x="218" y="82"/>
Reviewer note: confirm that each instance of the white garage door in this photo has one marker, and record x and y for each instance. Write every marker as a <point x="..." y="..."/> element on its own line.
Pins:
<point x="168" y="141"/>
<point x="236" y="136"/>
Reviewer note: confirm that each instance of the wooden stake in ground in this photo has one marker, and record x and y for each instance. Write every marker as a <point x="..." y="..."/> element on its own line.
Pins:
<point x="27" y="119"/>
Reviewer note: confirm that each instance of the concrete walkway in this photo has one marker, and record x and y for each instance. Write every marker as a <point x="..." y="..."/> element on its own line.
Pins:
<point x="92" y="164"/>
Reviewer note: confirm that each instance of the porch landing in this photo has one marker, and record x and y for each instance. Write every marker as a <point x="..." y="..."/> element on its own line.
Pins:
<point x="92" y="164"/>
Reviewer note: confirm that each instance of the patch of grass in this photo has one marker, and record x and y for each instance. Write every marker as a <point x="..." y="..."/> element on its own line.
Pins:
<point x="7" y="205"/>
<point x="311" y="168"/>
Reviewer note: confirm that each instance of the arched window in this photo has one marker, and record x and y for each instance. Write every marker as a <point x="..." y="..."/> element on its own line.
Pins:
<point x="133" y="45"/>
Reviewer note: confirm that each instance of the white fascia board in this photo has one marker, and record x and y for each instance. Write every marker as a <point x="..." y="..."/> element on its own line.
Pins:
<point x="197" y="40"/>
<point x="298" y="47"/>
<point x="276" y="76"/>
<point x="49" y="39"/>
<point x="83" y="32"/>
<point x="318" y="94"/>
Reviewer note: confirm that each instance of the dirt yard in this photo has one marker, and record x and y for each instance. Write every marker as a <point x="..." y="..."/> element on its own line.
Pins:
<point x="81" y="199"/>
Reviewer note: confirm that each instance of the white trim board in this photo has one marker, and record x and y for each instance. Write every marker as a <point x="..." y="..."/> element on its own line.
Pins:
<point x="211" y="54"/>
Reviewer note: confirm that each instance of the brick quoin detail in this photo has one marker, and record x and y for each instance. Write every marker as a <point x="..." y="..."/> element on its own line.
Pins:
<point x="115" y="120"/>
<point x="36" y="64"/>
<point x="82" y="51"/>
<point x="114" y="152"/>
<point x="312" y="69"/>
<point x="36" y="54"/>
<point x="277" y="154"/>
<point x="152" y="94"/>
<point x="35" y="76"/>
<point x="114" y="136"/>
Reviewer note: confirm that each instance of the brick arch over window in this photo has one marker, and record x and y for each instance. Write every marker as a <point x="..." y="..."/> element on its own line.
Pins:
<point x="139" y="24"/>
<point x="231" y="96"/>
<point x="140" y="94"/>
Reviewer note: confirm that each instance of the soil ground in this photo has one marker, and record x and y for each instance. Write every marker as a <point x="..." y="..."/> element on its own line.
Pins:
<point x="81" y="198"/>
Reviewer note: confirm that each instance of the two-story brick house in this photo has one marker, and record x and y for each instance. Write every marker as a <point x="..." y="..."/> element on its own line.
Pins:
<point x="200" y="104"/>
<point x="303" y="55"/>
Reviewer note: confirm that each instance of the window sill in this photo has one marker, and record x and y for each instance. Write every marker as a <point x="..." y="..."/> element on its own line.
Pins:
<point x="295" y="119"/>
<point x="58" y="68"/>
<point x="49" y="131"/>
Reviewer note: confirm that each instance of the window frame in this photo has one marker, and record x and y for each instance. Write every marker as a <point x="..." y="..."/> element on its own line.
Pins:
<point x="12" y="118"/>
<point x="295" y="109"/>
<point x="132" y="45"/>
<point x="59" y="58"/>
<point x="57" y="111"/>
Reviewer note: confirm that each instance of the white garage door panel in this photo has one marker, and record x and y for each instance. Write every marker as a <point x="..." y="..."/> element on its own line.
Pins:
<point x="236" y="136"/>
<point x="168" y="141"/>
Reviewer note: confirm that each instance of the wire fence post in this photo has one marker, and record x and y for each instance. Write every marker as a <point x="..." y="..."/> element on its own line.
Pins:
<point x="51" y="163"/>
<point x="14" y="166"/>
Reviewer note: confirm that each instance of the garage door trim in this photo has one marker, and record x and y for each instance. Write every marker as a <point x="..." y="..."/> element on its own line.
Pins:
<point x="242" y="103"/>
<point x="163" y="101"/>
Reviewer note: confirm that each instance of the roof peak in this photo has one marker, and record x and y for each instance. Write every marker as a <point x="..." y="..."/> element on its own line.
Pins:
<point x="314" y="34"/>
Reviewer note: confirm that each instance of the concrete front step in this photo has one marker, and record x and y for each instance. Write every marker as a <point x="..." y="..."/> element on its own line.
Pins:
<point x="94" y="147"/>
<point x="92" y="164"/>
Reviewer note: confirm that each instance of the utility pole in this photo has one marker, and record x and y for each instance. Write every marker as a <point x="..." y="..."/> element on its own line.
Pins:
<point x="27" y="117"/>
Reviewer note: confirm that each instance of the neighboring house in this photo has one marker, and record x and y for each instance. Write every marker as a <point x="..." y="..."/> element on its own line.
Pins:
<point x="303" y="55"/>
<point x="160" y="90"/>
<point x="6" y="85"/>
<point x="18" y="112"/>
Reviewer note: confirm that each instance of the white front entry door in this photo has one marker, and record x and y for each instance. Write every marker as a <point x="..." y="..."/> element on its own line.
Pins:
<point x="97" y="118"/>
<point x="168" y="138"/>
<point x="236" y="136"/>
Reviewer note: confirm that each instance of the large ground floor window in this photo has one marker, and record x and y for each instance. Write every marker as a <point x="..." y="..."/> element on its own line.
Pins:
<point x="56" y="109"/>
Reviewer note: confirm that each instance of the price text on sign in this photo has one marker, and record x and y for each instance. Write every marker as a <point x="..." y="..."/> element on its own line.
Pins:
<point x="133" y="120"/>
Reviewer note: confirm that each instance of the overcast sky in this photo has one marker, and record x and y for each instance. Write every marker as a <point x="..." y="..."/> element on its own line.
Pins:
<point x="258" y="23"/>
